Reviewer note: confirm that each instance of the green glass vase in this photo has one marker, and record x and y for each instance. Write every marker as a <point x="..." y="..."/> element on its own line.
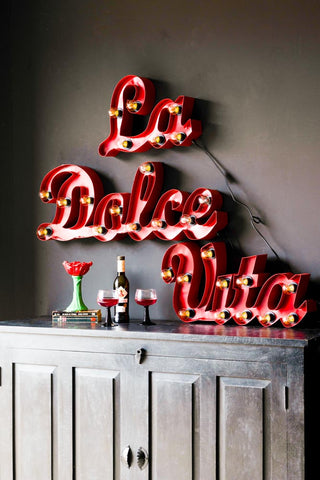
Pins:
<point x="77" y="303"/>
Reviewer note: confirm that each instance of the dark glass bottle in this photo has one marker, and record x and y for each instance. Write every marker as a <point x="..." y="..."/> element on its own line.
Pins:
<point x="121" y="284"/>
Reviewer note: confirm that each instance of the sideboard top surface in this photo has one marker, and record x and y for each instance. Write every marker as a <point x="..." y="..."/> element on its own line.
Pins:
<point x="168" y="330"/>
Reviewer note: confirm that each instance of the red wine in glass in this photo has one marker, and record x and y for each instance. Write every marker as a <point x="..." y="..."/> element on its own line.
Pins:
<point x="108" y="299"/>
<point x="146" y="302"/>
<point x="108" y="302"/>
<point x="146" y="298"/>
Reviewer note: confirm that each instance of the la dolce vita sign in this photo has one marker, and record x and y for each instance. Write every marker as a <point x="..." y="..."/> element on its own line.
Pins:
<point x="83" y="211"/>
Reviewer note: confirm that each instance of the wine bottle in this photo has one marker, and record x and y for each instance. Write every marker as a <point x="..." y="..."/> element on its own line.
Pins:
<point x="121" y="284"/>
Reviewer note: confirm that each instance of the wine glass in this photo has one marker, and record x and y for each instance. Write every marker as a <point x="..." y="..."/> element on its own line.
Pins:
<point x="146" y="298"/>
<point x="108" y="299"/>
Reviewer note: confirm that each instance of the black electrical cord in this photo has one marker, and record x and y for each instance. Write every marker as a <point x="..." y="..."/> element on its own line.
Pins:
<point x="254" y="219"/>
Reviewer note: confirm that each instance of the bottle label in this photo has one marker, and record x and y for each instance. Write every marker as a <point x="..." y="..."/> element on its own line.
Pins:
<point x="122" y="294"/>
<point x="121" y="266"/>
<point x="122" y="306"/>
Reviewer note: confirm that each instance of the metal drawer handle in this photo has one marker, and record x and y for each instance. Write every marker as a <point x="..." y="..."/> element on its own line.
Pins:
<point x="140" y="354"/>
<point x="142" y="458"/>
<point x="126" y="456"/>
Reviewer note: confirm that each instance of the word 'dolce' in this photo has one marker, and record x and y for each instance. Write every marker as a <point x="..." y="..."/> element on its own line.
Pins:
<point x="82" y="210"/>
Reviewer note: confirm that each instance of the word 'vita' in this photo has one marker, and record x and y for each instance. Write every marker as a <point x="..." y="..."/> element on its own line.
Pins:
<point x="243" y="296"/>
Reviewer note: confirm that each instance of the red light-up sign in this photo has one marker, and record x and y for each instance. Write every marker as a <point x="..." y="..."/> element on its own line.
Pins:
<point x="82" y="211"/>
<point x="241" y="296"/>
<point x="169" y="122"/>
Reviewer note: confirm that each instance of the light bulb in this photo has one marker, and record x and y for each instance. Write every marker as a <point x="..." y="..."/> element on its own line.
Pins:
<point x="186" y="313"/>
<point x="157" y="223"/>
<point x="178" y="137"/>
<point x="186" y="278"/>
<point x="133" y="106"/>
<point x="223" y="283"/>
<point x="244" y="281"/>
<point x="174" y="109"/>
<point x="267" y="318"/>
<point x="115" y="210"/>
<point x="187" y="220"/>
<point x="224" y="315"/>
<point x="127" y="144"/>
<point x="63" y="202"/>
<point x="115" y="112"/>
<point x="86" y="200"/>
<point x="45" y="195"/>
<point x="44" y="232"/>
<point x="204" y="200"/>
<point x="291" y="319"/>
<point x="167" y="274"/>
<point x="134" y="227"/>
<point x="290" y="288"/>
<point x="100" y="229"/>
<point x="246" y="315"/>
<point x="208" y="253"/>
<point x="146" y="168"/>
<point x="159" y="140"/>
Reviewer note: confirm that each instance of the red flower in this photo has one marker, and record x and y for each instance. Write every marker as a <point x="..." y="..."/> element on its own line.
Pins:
<point x="77" y="269"/>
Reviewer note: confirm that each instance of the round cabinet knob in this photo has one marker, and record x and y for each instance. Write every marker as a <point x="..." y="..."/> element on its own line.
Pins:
<point x="142" y="458"/>
<point x="126" y="456"/>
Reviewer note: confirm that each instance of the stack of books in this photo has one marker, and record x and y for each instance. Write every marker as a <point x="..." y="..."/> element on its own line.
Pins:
<point x="79" y="316"/>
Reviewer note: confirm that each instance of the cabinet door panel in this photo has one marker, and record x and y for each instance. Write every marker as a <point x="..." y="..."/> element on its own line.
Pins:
<point x="182" y="421"/>
<point x="172" y="403"/>
<point x="32" y="411"/>
<point x="241" y="426"/>
<point x="94" y="401"/>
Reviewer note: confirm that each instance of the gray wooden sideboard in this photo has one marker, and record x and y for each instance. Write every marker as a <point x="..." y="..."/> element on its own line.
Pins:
<point x="167" y="402"/>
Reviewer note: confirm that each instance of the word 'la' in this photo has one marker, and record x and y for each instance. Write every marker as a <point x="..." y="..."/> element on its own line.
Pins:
<point x="169" y="122"/>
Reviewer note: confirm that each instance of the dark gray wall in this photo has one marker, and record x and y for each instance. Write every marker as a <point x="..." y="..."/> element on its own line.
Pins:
<point x="7" y="170"/>
<point x="253" y="67"/>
